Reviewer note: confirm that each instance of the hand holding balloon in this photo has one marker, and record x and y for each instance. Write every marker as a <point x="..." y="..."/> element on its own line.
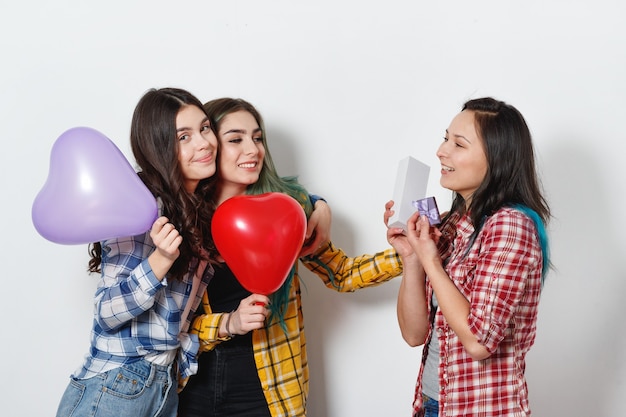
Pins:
<point x="167" y="241"/>
<point x="91" y="193"/>
<point x="259" y="237"/>
<point x="250" y="315"/>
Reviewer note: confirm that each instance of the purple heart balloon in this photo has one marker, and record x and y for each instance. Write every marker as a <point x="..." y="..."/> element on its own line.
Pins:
<point x="92" y="193"/>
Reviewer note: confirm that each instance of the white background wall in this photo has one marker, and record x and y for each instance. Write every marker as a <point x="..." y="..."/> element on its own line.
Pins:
<point x="347" y="89"/>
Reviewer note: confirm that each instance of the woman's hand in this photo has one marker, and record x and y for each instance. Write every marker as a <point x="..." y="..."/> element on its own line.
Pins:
<point x="318" y="228"/>
<point x="167" y="241"/>
<point x="250" y="315"/>
<point x="396" y="236"/>
<point x="423" y="238"/>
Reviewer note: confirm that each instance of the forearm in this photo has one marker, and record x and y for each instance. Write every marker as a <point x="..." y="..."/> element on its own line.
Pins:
<point x="412" y="308"/>
<point x="346" y="274"/>
<point x="456" y="309"/>
<point x="122" y="297"/>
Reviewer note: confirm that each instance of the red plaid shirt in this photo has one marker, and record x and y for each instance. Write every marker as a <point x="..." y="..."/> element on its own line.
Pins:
<point x="501" y="278"/>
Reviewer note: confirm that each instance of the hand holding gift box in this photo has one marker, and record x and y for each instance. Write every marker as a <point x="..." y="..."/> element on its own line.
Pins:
<point x="428" y="207"/>
<point x="411" y="183"/>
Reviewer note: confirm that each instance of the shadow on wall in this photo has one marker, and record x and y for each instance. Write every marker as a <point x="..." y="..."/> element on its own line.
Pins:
<point x="574" y="368"/>
<point x="287" y="164"/>
<point x="323" y="306"/>
<point x="281" y="146"/>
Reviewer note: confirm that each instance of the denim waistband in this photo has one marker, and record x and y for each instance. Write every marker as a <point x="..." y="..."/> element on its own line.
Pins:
<point x="150" y="371"/>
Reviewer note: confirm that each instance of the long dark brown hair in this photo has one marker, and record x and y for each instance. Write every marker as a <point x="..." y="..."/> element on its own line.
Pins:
<point x="155" y="148"/>
<point x="511" y="179"/>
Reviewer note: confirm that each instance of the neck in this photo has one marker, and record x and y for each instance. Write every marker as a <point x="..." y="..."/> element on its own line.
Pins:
<point x="228" y="190"/>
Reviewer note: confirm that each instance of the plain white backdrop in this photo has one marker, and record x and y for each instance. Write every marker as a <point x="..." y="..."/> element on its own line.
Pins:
<point x="347" y="88"/>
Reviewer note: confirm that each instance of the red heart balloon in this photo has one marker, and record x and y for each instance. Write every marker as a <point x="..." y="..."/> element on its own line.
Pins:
<point x="259" y="237"/>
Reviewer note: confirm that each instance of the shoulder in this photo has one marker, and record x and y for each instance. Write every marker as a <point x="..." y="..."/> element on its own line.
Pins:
<point x="511" y="224"/>
<point x="509" y="216"/>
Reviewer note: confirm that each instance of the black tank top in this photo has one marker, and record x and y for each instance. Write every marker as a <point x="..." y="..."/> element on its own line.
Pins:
<point x="225" y="292"/>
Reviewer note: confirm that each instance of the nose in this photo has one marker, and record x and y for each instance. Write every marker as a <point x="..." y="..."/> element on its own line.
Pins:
<point x="249" y="147"/>
<point x="441" y="151"/>
<point x="206" y="140"/>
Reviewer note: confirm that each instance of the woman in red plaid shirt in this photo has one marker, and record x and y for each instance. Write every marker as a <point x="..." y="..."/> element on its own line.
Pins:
<point x="470" y="290"/>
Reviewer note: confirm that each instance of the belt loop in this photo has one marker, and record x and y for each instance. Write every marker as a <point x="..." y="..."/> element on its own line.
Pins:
<point x="152" y="374"/>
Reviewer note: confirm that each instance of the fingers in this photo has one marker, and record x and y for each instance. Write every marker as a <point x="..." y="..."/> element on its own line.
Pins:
<point x="257" y="299"/>
<point x="159" y="223"/>
<point x="423" y="227"/>
<point x="250" y="315"/>
<point x="310" y="226"/>
<point x="311" y="245"/>
<point x="165" y="236"/>
<point x="435" y="234"/>
<point x="412" y="225"/>
<point x="388" y="212"/>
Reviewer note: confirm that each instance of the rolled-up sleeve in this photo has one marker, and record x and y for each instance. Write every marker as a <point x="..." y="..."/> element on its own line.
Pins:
<point x="508" y="257"/>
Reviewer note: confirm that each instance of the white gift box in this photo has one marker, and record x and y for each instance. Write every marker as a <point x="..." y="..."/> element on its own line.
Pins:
<point x="411" y="183"/>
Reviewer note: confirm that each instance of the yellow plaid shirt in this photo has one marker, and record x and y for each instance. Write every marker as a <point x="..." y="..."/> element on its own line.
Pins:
<point x="280" y="356"/>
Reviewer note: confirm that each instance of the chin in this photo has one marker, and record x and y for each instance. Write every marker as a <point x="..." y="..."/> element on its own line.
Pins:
<point x="249" y="181"/>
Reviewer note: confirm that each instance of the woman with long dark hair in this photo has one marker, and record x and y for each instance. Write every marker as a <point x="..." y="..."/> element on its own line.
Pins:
<point x="151" y="283"/>
<point x="470" y="289"/>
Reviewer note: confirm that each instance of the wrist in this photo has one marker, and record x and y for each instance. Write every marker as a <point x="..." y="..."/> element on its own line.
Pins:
<point x="315" y="198"/>
<point x="227" y="325"/>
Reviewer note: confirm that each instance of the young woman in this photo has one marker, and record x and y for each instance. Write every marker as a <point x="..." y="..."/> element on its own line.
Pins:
<point x="151" y="283"/>
<point x="254" y="360"/>
<point x="470" y="290"/>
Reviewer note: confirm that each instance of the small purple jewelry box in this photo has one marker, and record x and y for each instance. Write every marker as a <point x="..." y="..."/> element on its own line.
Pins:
<point x="428" y="207"/>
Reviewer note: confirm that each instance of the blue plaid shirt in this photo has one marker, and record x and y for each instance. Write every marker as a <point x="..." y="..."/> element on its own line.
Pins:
<point x="136" y="315"/>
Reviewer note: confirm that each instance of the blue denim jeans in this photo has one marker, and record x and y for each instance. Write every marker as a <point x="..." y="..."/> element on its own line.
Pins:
<point x="226" y="385"/>
<point x="139" y="389"/>
<point x="430" y="406"/>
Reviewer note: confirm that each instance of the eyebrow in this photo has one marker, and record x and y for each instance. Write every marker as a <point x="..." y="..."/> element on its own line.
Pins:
<point x="258" y="129"/>
<point x="459" y="136"/>
<point x="181" y="129"/>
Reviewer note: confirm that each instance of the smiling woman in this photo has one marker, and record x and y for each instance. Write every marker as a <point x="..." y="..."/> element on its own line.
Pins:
<point x="462" y="157"/>
<point x="470" y="290"/>
<point x="242" y="153"/>
<point x="150" y="283"/>
<point x="197" y="146"/>
<point x="256" y="344"/>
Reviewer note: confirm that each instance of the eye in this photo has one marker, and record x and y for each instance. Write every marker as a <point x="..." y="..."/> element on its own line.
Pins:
<point x="206" y="127"/>
<point x="183" y="137"/>
<point x="258" y="139"/>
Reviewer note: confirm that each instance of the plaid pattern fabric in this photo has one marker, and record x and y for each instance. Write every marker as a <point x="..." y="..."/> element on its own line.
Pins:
<point x="500" y="275"/>
<point x="280" y="355"/>
<point x="135" y="314"/>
